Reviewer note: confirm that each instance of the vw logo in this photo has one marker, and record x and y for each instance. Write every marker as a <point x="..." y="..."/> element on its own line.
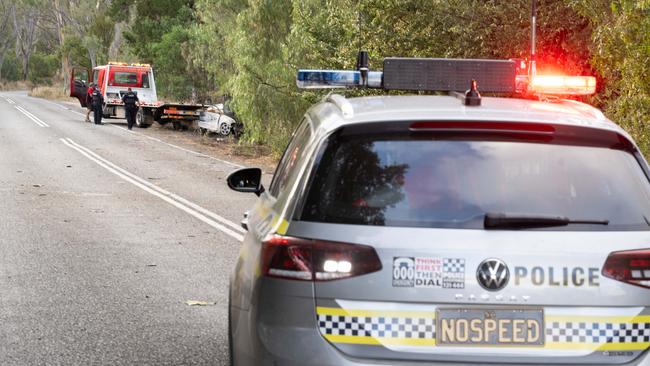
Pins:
<point x="492" y="274"/>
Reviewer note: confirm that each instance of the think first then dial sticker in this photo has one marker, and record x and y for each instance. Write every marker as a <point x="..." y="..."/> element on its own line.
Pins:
<point x="429" y="272"/>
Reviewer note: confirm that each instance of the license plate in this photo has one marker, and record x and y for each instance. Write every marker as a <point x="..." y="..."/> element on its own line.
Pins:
<point x="490" y="327"/>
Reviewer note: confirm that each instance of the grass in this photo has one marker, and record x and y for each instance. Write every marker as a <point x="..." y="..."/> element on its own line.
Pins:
<point x="15" y="85"/>
<point x="49" y="92"/>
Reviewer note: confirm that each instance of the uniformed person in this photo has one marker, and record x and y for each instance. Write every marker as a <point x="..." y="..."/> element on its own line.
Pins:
<point x="98" y="104"/>
<point x="131" y="105"/>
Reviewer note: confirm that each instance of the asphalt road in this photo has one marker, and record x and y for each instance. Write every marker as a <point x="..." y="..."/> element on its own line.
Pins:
<point x="104" y="236"/>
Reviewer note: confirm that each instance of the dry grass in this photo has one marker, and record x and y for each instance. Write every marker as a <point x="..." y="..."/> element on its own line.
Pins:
<point x="15" y="85"/>
<point x="225" y="148"/>
<point x="49" y="92"/>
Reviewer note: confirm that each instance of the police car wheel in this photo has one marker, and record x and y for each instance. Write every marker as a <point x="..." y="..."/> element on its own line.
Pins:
<point x="231" y="359"/>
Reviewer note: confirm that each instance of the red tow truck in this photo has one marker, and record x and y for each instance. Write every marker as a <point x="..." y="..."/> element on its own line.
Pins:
<point x="113" y="80"/>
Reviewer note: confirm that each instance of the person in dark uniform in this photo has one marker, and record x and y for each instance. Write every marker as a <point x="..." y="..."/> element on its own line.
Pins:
<point x="98" y="104"/>
<point x="131" y="105"/>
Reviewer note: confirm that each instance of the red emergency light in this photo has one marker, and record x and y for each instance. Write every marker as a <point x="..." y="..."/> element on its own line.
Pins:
<point x="562" y="85"/>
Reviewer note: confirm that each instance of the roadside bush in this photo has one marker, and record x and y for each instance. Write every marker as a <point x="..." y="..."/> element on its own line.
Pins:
<point x="621" y="55"/>
<point x="11" y="70"/>
<point x="43" y="68"/>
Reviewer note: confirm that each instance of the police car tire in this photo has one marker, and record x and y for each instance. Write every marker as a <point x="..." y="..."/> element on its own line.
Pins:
<point x="231" y="358"/>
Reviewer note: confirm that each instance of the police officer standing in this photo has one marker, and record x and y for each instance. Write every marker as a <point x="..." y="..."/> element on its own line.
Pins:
<point x="98" y="105"/>
<point x="131" y="105"/>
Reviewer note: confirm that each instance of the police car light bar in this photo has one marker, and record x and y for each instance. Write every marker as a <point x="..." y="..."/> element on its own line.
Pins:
<point x="450" y="75"/>
<point x="563" y="85"/>
<point x="331" y="79"/>
<point x="445" y="74"/>
<point x="420" y="74"/>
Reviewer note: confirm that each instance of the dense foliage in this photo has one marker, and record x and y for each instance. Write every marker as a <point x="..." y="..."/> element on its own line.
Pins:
<point x="247" y="51"/>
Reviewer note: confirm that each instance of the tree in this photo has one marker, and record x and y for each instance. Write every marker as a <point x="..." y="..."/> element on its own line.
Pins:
<point x="161" y="36"/>
<point x="6" y="31"/>
<point x="621" y="55"/>
<point x="25" y="16"/>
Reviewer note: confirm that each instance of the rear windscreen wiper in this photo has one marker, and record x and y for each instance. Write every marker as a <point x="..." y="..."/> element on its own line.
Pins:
<point x="523" y="221"/>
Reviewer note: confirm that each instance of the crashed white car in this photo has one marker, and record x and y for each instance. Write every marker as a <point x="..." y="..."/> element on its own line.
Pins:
<point x="214" y="119"/>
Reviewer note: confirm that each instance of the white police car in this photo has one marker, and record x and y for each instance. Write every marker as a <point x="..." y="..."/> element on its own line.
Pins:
<point x="448" y="229"/>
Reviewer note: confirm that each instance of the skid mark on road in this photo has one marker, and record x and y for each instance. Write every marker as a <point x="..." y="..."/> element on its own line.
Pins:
<point x="180" y="148"/>
<point x="218" y="222"/>
<point x="31" y="116"/>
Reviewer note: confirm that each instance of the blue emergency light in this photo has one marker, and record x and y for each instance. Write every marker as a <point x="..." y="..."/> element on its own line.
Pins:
<point x="331" y="79"/>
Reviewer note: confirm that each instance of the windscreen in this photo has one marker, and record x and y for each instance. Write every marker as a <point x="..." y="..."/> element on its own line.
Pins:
<point x="431" y="182"/>
<point x="134" y="79"/>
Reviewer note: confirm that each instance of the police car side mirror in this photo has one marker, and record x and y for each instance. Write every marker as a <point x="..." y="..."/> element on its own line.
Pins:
<point x="246" y="180"/>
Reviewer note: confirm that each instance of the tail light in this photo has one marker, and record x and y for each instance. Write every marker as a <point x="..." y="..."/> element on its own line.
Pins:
<point x="315" y="260"/>
<point x="631" y="267"/>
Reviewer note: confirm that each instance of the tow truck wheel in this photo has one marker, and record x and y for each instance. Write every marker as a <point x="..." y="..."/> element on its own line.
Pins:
<point x="140" y="120"/>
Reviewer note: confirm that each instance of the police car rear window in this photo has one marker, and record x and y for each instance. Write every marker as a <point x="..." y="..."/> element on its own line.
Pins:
<point x="416" y="182"/>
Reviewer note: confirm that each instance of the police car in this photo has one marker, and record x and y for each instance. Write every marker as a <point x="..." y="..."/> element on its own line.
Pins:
<point x="447" y="229"/>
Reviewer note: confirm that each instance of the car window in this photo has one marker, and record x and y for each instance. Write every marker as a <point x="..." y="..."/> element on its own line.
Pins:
<point x="452" y="183"/>
<point x="291" y="156"/>
<point x="145" y="80"/>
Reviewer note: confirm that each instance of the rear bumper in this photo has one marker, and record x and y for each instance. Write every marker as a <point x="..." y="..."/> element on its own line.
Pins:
<point x="273" y="345"/>
<point x="281" y="330"/>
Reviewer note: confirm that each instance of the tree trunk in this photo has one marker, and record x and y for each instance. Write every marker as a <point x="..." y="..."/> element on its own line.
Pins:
<point x="5" y="25"/>
<point x="25" y="29"/>
<point x="114" y="50"/>
<point x="2" y="61"/>
<point x="65" y="57"/>
<point x="92" y="56"/>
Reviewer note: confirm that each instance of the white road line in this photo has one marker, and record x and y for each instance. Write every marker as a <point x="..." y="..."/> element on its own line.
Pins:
<point x="163" y="191"/>
<point x="235" y="165"/>
<point x="31" y="116"/>
<point x="181" y="148"/>
<point x="224" y="225"/>
<point x="10" y="101"/>
<point x="60" y="106"/>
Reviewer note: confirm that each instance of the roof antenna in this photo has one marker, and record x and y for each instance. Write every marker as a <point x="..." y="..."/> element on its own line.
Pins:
<point x="362" y="67"/>
<point x="472" y="96"/>
<point x="362" y="56"/>
<point x="532" y="70"/>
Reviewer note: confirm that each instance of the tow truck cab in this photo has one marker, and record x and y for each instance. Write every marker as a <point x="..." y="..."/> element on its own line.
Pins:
<point x="113" y="80"/>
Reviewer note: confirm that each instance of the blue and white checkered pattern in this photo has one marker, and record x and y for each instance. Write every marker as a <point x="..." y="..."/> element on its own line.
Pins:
<point x="598" y="333"/>
<point x="453" y="265"/>
<point x="377" y="327"/>
<point x="416" y="328"/>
